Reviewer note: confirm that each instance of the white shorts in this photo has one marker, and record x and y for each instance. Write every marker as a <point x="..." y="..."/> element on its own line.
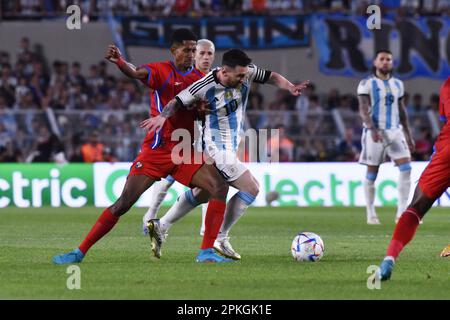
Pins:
<point x="394" y="145"/>
<point x="228" y="164"/>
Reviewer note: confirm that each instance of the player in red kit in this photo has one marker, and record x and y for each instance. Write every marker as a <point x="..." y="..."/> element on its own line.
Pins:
<point x="433" y="182"/>
<point x="165" y="79"/>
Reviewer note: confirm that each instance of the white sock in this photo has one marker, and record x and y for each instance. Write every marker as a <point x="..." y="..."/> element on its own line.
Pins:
<point x="235" y="209"/>
<point x="369" y="192"/>
<point x="159" y="189"/>
<point x="404" y="186"/>
<point x="204" y="209"/>
<point x="185" y="203"/>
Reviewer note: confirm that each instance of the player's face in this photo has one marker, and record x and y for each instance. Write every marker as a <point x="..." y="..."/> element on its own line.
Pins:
<point x="235" y="76"/>
<point x="384" y="63"/>
<point x="204" y="57"/>
<point x="184" y="54"/>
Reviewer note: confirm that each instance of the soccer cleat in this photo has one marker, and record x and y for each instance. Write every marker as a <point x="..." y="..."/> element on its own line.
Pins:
<point x="386" y="269"/>
<point x="156" y="236"/>
<point x="224" y="248"/>
<point x="210" y="256"/>
<point x="75" y="256"/>
<point x="373" y="220"/>
<point x="446" y="252"/>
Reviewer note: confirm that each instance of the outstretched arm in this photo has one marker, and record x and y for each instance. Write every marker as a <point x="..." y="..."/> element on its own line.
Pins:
<point x="281" y="82"/>
<point x="114" y="55"/>
<point x="156" y="123"/>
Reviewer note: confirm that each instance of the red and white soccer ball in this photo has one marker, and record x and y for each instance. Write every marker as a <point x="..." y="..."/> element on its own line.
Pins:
<point x="307" y="246"/>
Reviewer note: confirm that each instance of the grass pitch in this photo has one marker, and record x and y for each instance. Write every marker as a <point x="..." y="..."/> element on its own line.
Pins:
<point x="120" y="266"/>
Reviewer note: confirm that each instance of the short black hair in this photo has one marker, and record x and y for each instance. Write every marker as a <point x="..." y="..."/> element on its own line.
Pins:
<point x="235" y="57"/>
<point x="183" y="34"/>
<point x="383" y="51"/>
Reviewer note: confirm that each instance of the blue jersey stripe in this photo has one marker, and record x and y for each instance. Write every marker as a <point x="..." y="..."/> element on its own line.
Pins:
<point x="159" y="108"/>
<point x="388" y="102"/>
<point x="213" y="118"/>
<point x="166" y="82"/>
<point x="375" y="103"/>
<point x="232" y="120"/>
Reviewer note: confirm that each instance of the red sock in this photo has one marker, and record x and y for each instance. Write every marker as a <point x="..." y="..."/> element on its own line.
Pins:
<point x="213" y="222"/>
<point x="103" y="225"/>
<point x="404" y="231"/>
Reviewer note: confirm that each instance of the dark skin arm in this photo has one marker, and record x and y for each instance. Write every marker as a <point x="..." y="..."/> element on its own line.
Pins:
<point x="404" y="121"/>
<point x="364" y="107"/>
<point x="156" y="123"/>
<point x="113" y="55"/>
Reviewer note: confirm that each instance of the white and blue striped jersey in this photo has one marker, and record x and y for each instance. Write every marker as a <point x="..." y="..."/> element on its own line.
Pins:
<point x="384" y="96"/>
<point x="224" y="119"/>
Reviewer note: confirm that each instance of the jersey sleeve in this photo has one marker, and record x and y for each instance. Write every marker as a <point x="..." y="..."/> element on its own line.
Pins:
<point x="401" y="91"/>
<point x="258" y="75"/>
<point x="153" y="80"/>
<point x="189" y="95"/>
<point x="363" y="88"/>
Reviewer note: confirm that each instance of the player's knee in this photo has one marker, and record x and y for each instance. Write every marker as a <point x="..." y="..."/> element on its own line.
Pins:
<point x="405" y="168"/>
<point x="121" y="206"/>
<point x="254" y="189"/>
<point x="219" y="189"/>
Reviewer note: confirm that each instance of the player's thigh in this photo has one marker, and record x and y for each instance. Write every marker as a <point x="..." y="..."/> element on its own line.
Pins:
<point x="372" y="153"/>
<point x="397" y="148"/>
<point x="209" y="179"/>
<point x="135" y="186"/>
<point x="435" y="179"/>
<point x="246" y="183"/>
<point x="229" y="166"/>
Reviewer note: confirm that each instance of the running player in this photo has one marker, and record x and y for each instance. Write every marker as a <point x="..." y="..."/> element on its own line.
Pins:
<point x="386" y="130"/>
<point x="226" y="91"/>
<point x="433" y="182"/>
<point x="204" y="58"/>
<point x="154" y="162"/>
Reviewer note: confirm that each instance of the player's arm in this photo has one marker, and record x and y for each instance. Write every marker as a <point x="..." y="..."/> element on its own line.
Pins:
<point x="364" y="113"/>
<point x="114" y="55"/>
<point x="281" y="82"/>
<point x="156" y="123"/>
<point x="404" y="121"/>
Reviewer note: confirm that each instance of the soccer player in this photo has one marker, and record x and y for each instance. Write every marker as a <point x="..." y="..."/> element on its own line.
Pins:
<point x="433" y="182"/>
<point x="226" y="91"/>
<point x="386" y="130"/>
<point x="204" y="58"/>
<point x="166" y="79"/>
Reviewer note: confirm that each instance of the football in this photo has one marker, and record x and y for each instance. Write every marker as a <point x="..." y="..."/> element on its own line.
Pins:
<point x="307" y="246"/>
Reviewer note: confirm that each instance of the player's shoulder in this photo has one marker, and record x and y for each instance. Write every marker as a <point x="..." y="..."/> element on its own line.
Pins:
<point x="203" y="84"/>
<point x="397" y="80"/>
<point x="367" y="80"/>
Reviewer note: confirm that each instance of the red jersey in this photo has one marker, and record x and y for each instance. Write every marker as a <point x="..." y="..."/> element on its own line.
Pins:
<point x="444" y="113"/>
<point x="165" y="82"/>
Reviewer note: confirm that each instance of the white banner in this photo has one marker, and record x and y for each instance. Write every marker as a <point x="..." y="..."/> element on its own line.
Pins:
<point x="297" y="184"/>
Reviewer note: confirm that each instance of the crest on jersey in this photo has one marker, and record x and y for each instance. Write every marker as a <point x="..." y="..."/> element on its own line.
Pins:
<point x="138" y="165"/>
<point x="228" y="95"/>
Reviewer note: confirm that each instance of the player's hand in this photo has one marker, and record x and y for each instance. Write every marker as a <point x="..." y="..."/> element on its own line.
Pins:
<point x="296" y="90"/>
<point x="201" y="105"/>
<point x="376" y="136"/>
<point x="153" y="124"/>
<point x="113" y="54"/>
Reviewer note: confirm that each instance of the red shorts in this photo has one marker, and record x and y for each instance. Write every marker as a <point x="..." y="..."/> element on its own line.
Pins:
<point x="157" y="163"/>
<point x="435" y="179"/>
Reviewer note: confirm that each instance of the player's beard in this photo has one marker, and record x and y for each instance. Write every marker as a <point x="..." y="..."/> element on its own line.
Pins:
<point x="385" y="71"/>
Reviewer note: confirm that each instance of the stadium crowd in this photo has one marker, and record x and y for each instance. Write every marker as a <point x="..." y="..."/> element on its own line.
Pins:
<point x="54" y="112"/>
<point x="195" y="8"/>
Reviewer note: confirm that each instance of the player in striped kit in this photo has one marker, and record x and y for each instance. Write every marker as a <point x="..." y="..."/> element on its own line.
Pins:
<point x="204" y="58"/>
<point x="226" y="92"/>
<point x="386" y="131"/>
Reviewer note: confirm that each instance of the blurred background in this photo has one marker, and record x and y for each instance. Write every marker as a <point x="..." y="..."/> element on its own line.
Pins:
<point x="61" y="101"/>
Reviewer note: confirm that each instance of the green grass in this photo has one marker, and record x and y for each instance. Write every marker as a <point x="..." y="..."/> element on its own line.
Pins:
<point x="120" y="265"/>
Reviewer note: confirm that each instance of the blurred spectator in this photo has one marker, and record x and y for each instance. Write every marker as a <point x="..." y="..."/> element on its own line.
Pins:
<point x="92" y="151"/>
<point x="281" y="145"/>
<point x="434" y="102"/>
<point x="423" y="145"/>
<point x="416" y="106"/>
<point x="47" y="148"/>
<point x="349" y="148"/>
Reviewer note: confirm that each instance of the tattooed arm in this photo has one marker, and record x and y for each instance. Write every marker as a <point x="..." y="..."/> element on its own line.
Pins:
<point x="404" y="121"/>
<point x="364" y="107"/>
<point x="156" y="123"/>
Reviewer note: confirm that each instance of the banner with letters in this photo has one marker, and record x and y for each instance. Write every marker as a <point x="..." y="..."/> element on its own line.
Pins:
<point x="259" y="32"/>
<point x="297" y="184"/>
<point x="346" y="46"/>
